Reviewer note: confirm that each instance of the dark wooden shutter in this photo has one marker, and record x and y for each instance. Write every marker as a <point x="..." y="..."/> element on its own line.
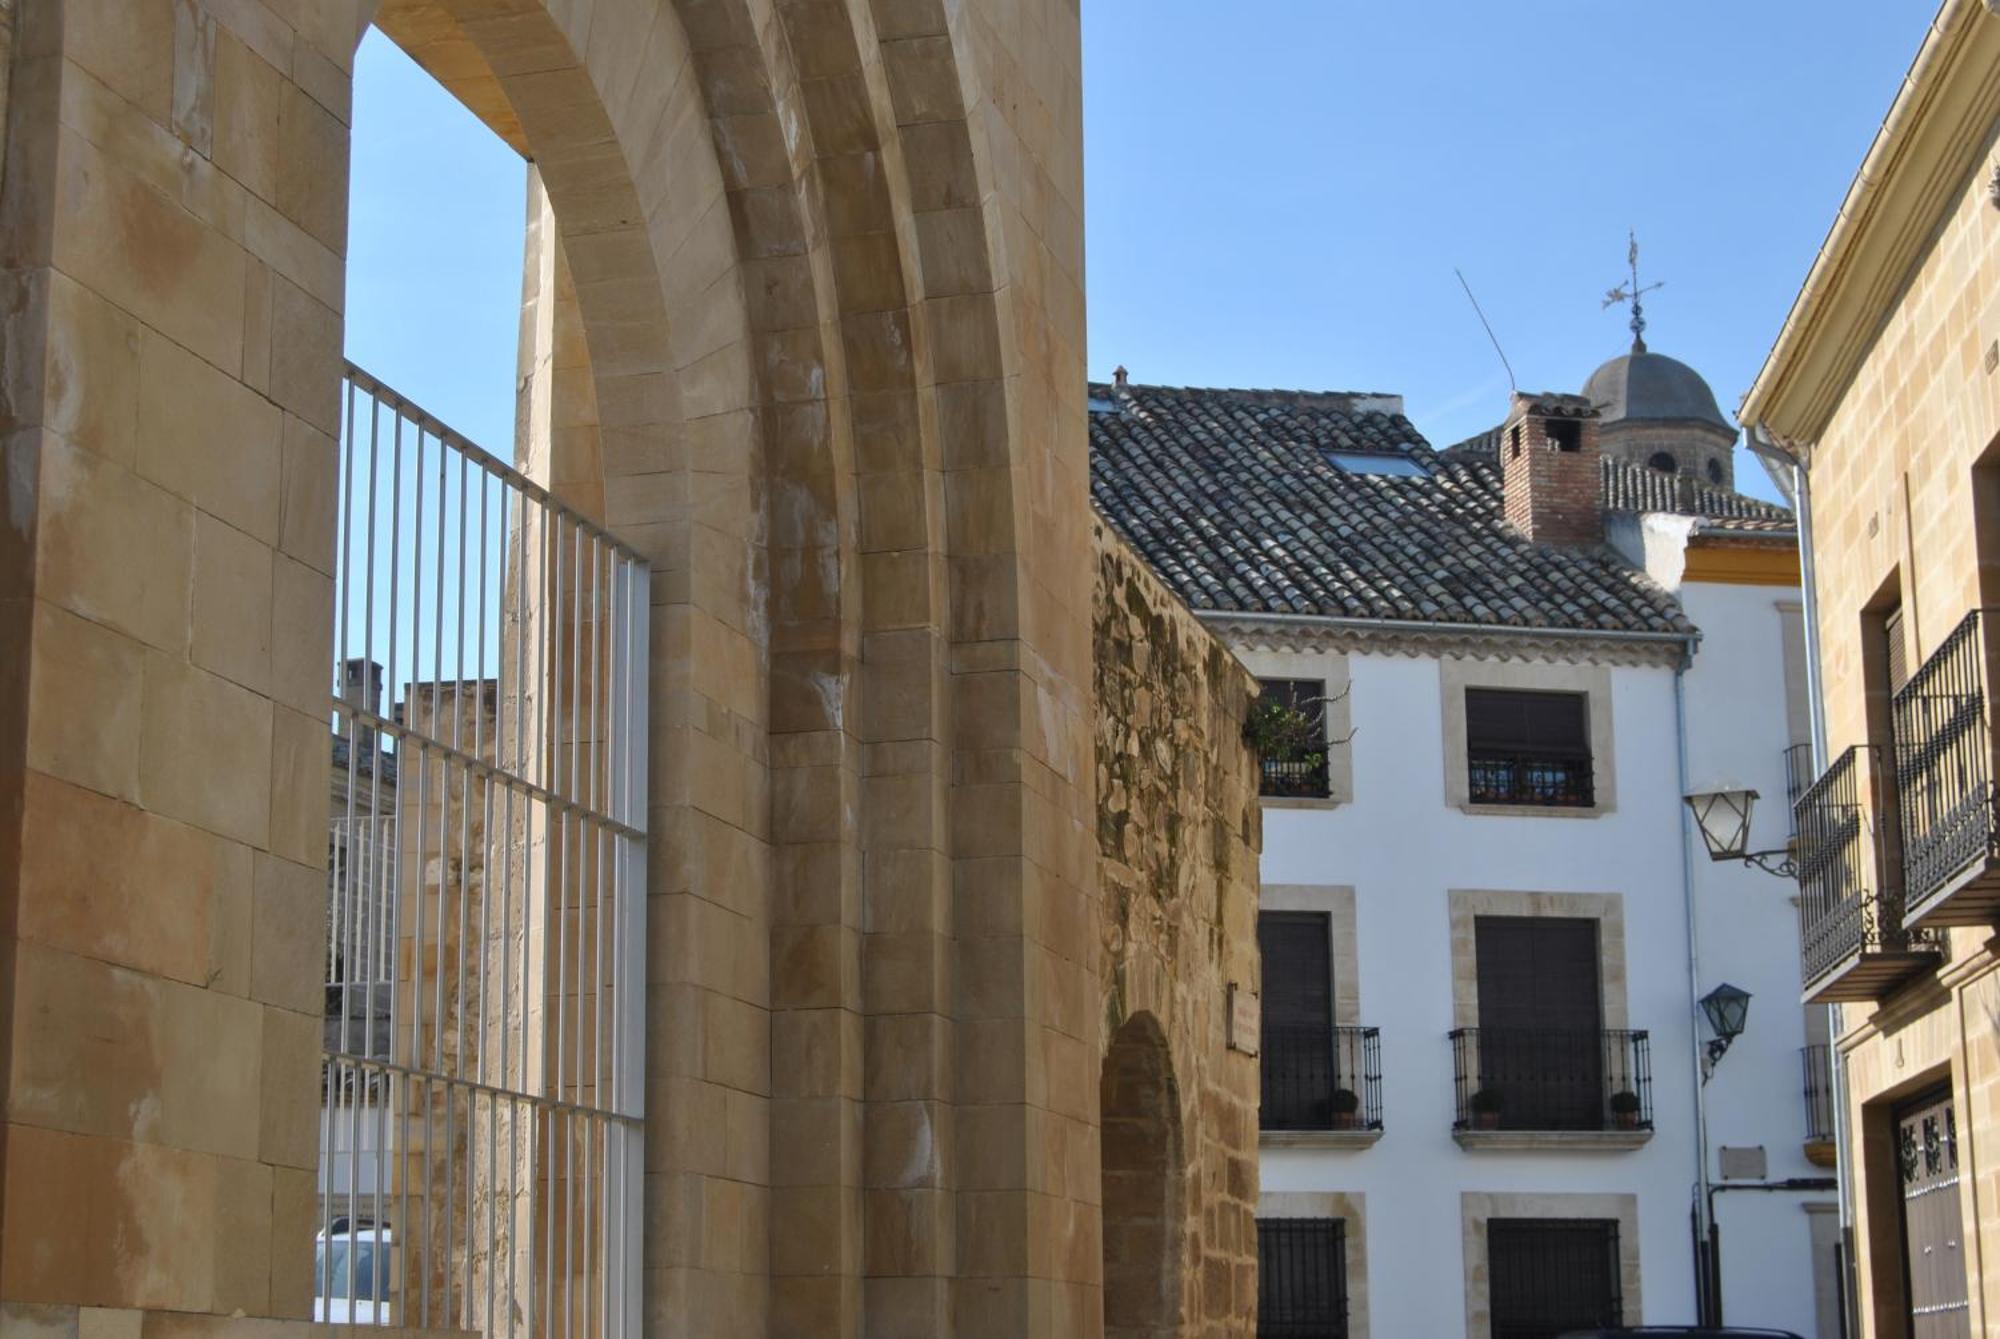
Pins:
<point x="1897" y="649"/>
<point x="1541" y="1037"/>
<point x="1302" y="1278"/>
<point x="1505" y="720"/>
<point x="1548" y="1276"/>
<point x="1297" y="1034"/>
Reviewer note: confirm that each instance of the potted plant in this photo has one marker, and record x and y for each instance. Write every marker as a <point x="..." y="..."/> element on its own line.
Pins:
<point x="1485" y="1106"/>
<point x="1625" y="1109"/>
<point x="1346" y="1106"/>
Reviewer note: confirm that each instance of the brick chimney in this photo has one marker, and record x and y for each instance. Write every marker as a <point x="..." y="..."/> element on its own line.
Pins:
<point x="1549" y="469"/>
<point x="361" y="686"/>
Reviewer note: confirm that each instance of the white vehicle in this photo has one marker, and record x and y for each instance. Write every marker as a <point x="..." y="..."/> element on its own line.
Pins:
<point x="353" y="1273"/>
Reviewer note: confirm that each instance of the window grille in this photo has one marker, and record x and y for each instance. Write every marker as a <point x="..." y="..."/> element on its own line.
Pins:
<point x="480" y="1136"/>
<point x="1548" y="1276"/>
<point x="1530" y="748"/>
<point x="1302" y="1278"/>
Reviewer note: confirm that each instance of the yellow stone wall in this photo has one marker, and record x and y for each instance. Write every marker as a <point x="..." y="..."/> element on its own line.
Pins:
<point x="1891" y="476"/>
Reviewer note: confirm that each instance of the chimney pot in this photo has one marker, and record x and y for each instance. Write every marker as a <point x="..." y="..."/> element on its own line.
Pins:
<point x="1118" y="376"/>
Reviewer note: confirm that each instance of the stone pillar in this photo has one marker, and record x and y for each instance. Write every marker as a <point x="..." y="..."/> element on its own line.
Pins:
<point x="174" y="212"/>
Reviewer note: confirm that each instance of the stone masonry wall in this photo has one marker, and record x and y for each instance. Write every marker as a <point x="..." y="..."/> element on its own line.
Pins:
<point x="1178" y="834"/>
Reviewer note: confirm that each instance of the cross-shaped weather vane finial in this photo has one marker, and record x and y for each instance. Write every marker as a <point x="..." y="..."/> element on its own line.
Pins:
<point x="1632" y="295"/>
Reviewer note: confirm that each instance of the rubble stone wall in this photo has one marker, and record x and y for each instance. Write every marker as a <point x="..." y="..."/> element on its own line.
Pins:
<point x="1178" y="833"/>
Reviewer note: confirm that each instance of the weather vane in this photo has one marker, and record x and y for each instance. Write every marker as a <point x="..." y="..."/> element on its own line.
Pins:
<point x="1632" y="295"/>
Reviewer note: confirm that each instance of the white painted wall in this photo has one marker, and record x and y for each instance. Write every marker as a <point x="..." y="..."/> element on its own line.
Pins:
<point x="1401" y="848"/>
<point x="1747" y="927"/>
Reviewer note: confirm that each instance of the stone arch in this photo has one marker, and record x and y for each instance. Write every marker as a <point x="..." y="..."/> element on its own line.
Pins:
<point x="1664" y="462"/>
<point x="827" y="261"/>
<point x="1142" y="1169"/>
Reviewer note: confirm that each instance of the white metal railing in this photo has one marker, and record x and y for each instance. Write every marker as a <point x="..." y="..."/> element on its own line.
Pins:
<point x="480" y="1132"/>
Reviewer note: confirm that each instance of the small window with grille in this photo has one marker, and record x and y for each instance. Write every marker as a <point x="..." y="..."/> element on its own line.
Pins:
<point x="1549" y="1276"/>
<point x="1528" y="748"/>
<point x="1301" y="1278"/>
<point x="1291" y="738"/>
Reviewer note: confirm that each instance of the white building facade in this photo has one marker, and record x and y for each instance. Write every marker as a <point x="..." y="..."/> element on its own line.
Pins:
<point x="1487" y="918"/>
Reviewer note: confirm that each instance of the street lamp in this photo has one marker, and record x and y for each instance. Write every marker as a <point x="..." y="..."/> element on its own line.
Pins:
<point x="1727" y="1009"/>
<point x="1724" y="819"/>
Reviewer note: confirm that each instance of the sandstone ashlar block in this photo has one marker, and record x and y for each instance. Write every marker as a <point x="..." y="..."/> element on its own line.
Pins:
<point x="84" y="703"/>
<point x="113" y="548"/>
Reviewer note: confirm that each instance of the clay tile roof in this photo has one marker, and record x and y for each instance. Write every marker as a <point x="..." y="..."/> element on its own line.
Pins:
<point x="1231" y="498"/>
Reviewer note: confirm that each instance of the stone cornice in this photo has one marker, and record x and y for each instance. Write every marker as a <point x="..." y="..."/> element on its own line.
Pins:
<point x="1430" y="641"/>
<point x="1937" y="133"/>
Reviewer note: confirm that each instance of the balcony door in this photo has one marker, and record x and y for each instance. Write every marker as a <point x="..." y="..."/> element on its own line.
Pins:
<point x="1927" y="1162"/>
<point x="1297" y="1037"/>
<point x="1541" y="1038"/>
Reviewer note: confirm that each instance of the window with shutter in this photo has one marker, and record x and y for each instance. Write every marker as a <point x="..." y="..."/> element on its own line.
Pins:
<point x="1528" y="748"/>
<point x="1898" y="650"/>
<point x="1549" y="1276"/>
<point x="1301" y="1278"/>
<point x="1296" y="1041"/>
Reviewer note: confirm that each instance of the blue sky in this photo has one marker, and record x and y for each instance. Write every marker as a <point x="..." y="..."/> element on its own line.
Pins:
<point x="1277" y="194"/>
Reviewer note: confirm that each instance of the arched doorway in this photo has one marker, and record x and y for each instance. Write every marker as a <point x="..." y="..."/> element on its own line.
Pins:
<point x="1141" y="1168"/>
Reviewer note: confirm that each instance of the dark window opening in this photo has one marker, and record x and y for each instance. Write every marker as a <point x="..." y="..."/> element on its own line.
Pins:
<point x="1565" y="434"/>
<point x="1296" y="1041"/>
<point x="1514" y="440"/>
<point x="1529" y="748"/>
<point x="1301" y="1278"/>
<point x="1664" y="463"/>
<point x="1549" y="1276"/>
<point x="1715" y="472"/>
<point x="1293" y="750"/>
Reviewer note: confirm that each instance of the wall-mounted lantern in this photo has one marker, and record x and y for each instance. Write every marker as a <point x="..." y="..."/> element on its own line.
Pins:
<point x="1727" y="1009"/>
<point x="1724" y="819"/>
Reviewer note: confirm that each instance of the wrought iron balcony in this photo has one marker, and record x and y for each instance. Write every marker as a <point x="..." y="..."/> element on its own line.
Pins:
<point x="1551" y="781"/>
<point x="1552" y="1079"/>
<point x="1317" y="1078"/>
<point x="1944" y="784"/>
<point x="1288" y="778"/>
<point x="1817" y="1064"/>
<point x="1852" y="942"/>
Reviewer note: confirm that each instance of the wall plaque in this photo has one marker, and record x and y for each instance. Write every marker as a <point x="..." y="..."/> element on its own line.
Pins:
<point x="1246" y="1020"/>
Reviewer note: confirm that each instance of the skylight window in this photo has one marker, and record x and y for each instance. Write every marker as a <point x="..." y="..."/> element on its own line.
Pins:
<point x="1364" y="462"/>
<point x="1103" y="404"/>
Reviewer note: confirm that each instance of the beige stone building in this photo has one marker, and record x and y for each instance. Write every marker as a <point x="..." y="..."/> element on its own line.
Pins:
<point x="1882" y="387"/>
<point x="838" y="918"/>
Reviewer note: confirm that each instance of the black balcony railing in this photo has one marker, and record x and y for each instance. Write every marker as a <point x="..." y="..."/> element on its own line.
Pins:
<point x="1944" y="764"/>
<point x="1317" y="1078"/>
<point x="1845" y="912"/>
<point x="1552" y="1079"/>
<point x="1817" y="1064"/>
<point x="1533" y="779"/>
<point x="1290" y="778"/>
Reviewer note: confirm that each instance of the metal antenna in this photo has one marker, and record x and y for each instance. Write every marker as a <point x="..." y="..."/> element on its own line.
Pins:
<point x="1489" y="328"/>
<point x="1632" y="295"/>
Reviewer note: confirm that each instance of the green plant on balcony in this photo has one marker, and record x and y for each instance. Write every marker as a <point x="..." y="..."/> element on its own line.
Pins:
<point x="1625" y="1109"/>
<point x="1283" y="734"/>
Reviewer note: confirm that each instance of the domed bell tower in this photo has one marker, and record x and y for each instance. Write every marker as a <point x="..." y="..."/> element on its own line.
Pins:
<point x="1655" y="411"/>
